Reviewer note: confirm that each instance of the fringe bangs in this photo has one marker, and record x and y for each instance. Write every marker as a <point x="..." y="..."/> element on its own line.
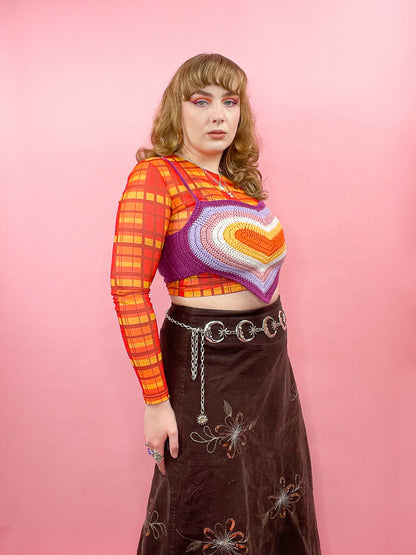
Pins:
<point x="210" y="69"/>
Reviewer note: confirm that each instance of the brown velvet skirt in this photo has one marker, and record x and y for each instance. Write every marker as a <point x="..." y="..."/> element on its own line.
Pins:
<point x="242" y="483"/>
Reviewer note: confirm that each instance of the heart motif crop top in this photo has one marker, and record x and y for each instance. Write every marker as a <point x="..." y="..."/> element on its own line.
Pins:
<point x="173" y="217"/>
<point x="234" y="239"/>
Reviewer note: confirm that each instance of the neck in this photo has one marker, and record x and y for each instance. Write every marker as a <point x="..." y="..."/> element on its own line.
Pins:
<point x="210" y="162"/>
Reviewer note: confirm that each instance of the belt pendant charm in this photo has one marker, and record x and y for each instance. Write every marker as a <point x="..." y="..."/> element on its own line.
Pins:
<point x="202" y="419"/>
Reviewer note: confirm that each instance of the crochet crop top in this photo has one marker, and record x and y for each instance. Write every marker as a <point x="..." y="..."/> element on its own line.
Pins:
<point x="172" y="212"/>
<point x="231" y="238"/>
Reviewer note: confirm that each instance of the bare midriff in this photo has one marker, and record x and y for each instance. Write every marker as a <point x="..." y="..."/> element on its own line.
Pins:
<point x="241" y="300"/>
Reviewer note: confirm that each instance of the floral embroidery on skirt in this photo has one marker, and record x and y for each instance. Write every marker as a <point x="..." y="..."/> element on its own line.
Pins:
<point x="284" y="498"/>
<point x="243" y="485"/>
<point x="232" y="435"/>
<point x="153" y="525"/>
<point x="222" y="540"/>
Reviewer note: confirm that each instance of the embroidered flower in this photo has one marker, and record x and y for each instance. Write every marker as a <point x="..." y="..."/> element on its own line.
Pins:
<point x="231" y="435"/>
<point x="284" y="498"/>
<point x="222" y="541"/>
<point x="152" y="524"/>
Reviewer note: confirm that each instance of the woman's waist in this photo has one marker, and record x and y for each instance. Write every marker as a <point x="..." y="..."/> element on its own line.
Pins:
<point x="242" y="322"/>
<point x="237" y="301"/>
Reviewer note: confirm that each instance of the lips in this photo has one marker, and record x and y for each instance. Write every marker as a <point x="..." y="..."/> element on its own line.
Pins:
<point x="217" y="134"/>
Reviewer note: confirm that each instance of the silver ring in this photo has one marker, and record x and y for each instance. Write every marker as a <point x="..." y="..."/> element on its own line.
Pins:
<point x="266" y="328"/>
<point x="282" y="320"/>
<point x="208" y="332"/>
<point x="155" y="454"/>
<point x="240" y="331"/>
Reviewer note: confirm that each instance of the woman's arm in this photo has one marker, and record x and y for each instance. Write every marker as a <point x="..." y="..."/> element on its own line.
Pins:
<point x="142" y="221"/>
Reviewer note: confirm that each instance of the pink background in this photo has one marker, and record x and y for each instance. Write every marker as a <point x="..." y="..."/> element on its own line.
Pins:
<point x="333" y="87"/>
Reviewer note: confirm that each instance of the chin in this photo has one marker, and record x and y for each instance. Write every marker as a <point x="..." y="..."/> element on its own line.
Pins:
<point x="218" y="147"/>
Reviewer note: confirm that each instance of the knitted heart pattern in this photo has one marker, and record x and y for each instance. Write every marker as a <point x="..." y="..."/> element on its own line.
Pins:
<point x="240" y="240"/>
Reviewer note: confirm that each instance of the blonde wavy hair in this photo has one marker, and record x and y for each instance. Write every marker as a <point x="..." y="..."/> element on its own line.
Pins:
<point x="240" y="160"/>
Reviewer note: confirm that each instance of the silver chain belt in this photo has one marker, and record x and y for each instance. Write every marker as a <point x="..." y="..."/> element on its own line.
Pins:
<point x="216" y="331"/>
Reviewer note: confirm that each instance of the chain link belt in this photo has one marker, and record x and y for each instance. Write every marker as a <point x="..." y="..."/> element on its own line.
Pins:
<point x="216" y="331"/>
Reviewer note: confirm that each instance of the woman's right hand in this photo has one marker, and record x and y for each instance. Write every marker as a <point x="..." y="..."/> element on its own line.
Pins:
<point x="160" y="425"/>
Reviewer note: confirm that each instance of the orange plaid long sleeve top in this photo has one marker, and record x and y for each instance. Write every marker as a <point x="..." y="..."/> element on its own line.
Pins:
<point x="156" y="203"/>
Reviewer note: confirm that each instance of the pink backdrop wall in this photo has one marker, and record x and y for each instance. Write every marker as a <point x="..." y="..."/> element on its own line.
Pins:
<point x="333" y="88"/>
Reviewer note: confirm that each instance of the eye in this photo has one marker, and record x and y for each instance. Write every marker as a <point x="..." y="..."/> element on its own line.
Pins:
<point x="229" y="102"/>
<point x="200" y="102"/>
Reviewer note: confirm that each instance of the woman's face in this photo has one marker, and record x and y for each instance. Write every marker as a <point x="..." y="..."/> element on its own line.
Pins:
<point x="209" y="122"/>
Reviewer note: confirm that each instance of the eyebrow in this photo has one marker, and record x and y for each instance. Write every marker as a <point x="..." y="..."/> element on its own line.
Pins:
<point x="206" y="93"/>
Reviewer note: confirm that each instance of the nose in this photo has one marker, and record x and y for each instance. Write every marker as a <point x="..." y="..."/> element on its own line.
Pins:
<point x="217" y="113"/>
<point x="218" y="119"/>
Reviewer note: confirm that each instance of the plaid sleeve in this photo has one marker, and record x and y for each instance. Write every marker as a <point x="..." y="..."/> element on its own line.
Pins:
<point x="142" y="221"/>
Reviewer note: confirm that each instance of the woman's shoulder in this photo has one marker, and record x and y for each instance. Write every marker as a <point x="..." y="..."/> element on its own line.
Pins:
<point x="153" y="167"/>
<point x="151" y="178"/>
<point x="147" y="164"/>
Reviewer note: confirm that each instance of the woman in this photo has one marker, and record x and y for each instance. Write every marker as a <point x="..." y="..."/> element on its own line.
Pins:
<point x="222" y="419"/>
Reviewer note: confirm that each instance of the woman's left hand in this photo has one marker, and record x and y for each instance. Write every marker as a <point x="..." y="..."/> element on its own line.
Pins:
<point x="160" y="425"/>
